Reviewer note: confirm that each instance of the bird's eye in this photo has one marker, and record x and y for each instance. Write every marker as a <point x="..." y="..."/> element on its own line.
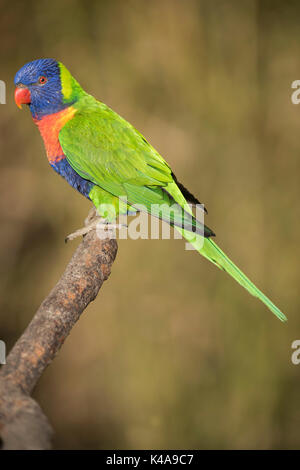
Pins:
<point x="42" y="80"/>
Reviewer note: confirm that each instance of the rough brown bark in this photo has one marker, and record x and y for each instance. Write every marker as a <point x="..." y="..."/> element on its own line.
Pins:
<point x="22" y="422"/>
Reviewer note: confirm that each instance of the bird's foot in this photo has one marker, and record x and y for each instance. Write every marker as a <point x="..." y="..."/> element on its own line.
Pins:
<point x="95" y="222"/>
<point x="81" y="231"/>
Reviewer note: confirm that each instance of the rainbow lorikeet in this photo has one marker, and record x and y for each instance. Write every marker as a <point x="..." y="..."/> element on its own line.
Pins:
<point x="107" y="160"/>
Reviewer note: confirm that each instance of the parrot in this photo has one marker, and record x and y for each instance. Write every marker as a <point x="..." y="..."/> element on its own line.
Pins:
<point x="109" y="162"/>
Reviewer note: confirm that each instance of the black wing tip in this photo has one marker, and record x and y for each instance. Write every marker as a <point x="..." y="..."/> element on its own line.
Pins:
<point x="187" y="194"/>
<point x="208" y="233"/>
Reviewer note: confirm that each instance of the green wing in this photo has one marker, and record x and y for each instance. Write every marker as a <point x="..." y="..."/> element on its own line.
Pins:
<point x="105" y="149"/>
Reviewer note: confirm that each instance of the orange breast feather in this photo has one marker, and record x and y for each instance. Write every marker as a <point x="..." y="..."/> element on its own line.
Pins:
<point x="49" y="127"/>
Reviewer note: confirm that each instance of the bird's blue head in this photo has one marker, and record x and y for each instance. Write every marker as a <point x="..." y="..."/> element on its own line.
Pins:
<point x="46" y="86"/>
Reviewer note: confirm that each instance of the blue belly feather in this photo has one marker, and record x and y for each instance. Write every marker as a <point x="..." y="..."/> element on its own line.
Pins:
<point x="63" y="168"/>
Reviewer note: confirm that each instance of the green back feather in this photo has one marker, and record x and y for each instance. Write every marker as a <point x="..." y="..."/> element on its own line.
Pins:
<point x="105" y="149"/>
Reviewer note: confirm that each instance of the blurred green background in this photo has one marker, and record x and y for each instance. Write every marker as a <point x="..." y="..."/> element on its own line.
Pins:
<point x="173" y="353"/>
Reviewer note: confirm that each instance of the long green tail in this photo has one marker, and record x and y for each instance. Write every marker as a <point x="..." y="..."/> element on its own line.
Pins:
<point x="213" y="253"/>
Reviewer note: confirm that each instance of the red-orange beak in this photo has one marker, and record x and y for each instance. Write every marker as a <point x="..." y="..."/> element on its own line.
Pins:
<point x="22" y="95"/>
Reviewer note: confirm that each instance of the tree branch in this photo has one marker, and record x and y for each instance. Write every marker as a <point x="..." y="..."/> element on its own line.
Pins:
<point x="22" y="423"/>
